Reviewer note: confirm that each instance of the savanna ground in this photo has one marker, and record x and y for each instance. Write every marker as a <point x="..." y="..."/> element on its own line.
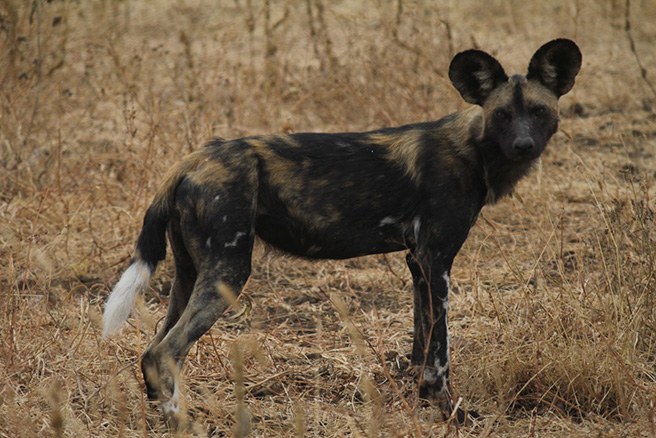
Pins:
<point x="552" y="308"/>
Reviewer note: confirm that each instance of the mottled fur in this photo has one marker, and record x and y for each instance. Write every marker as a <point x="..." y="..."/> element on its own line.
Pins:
<point x="418" y="188"/>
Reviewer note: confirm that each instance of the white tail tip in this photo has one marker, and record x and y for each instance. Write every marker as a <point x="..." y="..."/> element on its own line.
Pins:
<point x="121" y="300"/>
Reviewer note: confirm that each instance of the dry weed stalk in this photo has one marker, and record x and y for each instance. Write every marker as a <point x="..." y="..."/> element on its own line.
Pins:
<point x="56" y="417"/>
<point x="242" y="427"/>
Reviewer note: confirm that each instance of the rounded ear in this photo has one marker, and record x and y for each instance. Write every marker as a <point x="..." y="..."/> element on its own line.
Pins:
<point x="555" y="65"/>
<point x="475" y="74"/>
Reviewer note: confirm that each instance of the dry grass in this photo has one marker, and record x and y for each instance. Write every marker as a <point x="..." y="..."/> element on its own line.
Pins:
<point x="553" y="305"/>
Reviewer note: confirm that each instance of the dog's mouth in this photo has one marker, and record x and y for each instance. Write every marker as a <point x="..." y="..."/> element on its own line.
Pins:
<point x="523" y="156"/>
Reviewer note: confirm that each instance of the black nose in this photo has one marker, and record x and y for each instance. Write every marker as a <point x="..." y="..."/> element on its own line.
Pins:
<point x="523" y="145"/>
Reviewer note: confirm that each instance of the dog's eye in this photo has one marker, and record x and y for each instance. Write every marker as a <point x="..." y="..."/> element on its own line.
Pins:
<point x="501" y="114"/>
<point x="539" y="110"/>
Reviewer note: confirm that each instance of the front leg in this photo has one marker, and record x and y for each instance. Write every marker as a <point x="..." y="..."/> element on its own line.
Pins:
<point x="430" y="348"/>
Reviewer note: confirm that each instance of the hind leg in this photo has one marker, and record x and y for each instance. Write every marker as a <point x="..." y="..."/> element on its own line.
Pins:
<point x="219" y="239"/>
<point x="183" y="283"/>
<point x="209" y="299"/>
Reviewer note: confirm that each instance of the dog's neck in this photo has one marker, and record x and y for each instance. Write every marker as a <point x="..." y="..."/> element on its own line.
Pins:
<point x="501" y="175"/>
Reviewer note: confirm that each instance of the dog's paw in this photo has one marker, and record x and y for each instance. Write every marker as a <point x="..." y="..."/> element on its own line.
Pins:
<point x="464" y="417"/>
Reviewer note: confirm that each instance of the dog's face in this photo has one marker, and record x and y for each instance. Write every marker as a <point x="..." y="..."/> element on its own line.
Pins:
<point x="520" y="112"/>
<point x="520" y="116"/>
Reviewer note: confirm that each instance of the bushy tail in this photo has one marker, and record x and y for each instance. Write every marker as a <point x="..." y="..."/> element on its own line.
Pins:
<point x="120" y="302"/>
<point x="151" y="248"/>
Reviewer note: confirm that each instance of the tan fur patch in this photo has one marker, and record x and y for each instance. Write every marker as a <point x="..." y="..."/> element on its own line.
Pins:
<point x="281" y="171"/>
<point x="499" y="98"/>
<point x="211" y="174"/>
<point x="188" y="163"/>
<point x="468" y="125"/>
<point x="264" y="141"/>
<point x="291" y="181"/>
<point x="402" y="148"/>
<point x="532" y="91"/>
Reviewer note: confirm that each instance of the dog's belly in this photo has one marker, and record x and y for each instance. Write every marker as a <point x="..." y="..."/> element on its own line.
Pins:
<point x="331" y="241"/>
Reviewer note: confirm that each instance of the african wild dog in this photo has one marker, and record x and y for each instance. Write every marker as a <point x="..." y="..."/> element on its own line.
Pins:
<point x="418" y="187"/>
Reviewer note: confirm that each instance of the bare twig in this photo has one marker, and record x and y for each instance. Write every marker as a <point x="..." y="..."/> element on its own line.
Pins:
<point x="38" y="66"/>
<point x="627" y="28"/>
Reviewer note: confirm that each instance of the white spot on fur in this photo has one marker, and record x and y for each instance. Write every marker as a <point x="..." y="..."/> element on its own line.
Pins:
<point x="121" y="300"/>
<point x="225" y="218"/>
<point x="445" y="302"/>
<point x="441" y="369"/>
<point x="430" y="375"/>
<point x="233" y="243"/>
<point x="389" y="220"/>
<point x="208" y="243"/>
<point x="439" y="372"/>
<point x="172" y="405"/>
<point x="416" y="226"/>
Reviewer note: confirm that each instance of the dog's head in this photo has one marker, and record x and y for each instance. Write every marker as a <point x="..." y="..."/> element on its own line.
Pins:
<point x="520" y="112"/>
